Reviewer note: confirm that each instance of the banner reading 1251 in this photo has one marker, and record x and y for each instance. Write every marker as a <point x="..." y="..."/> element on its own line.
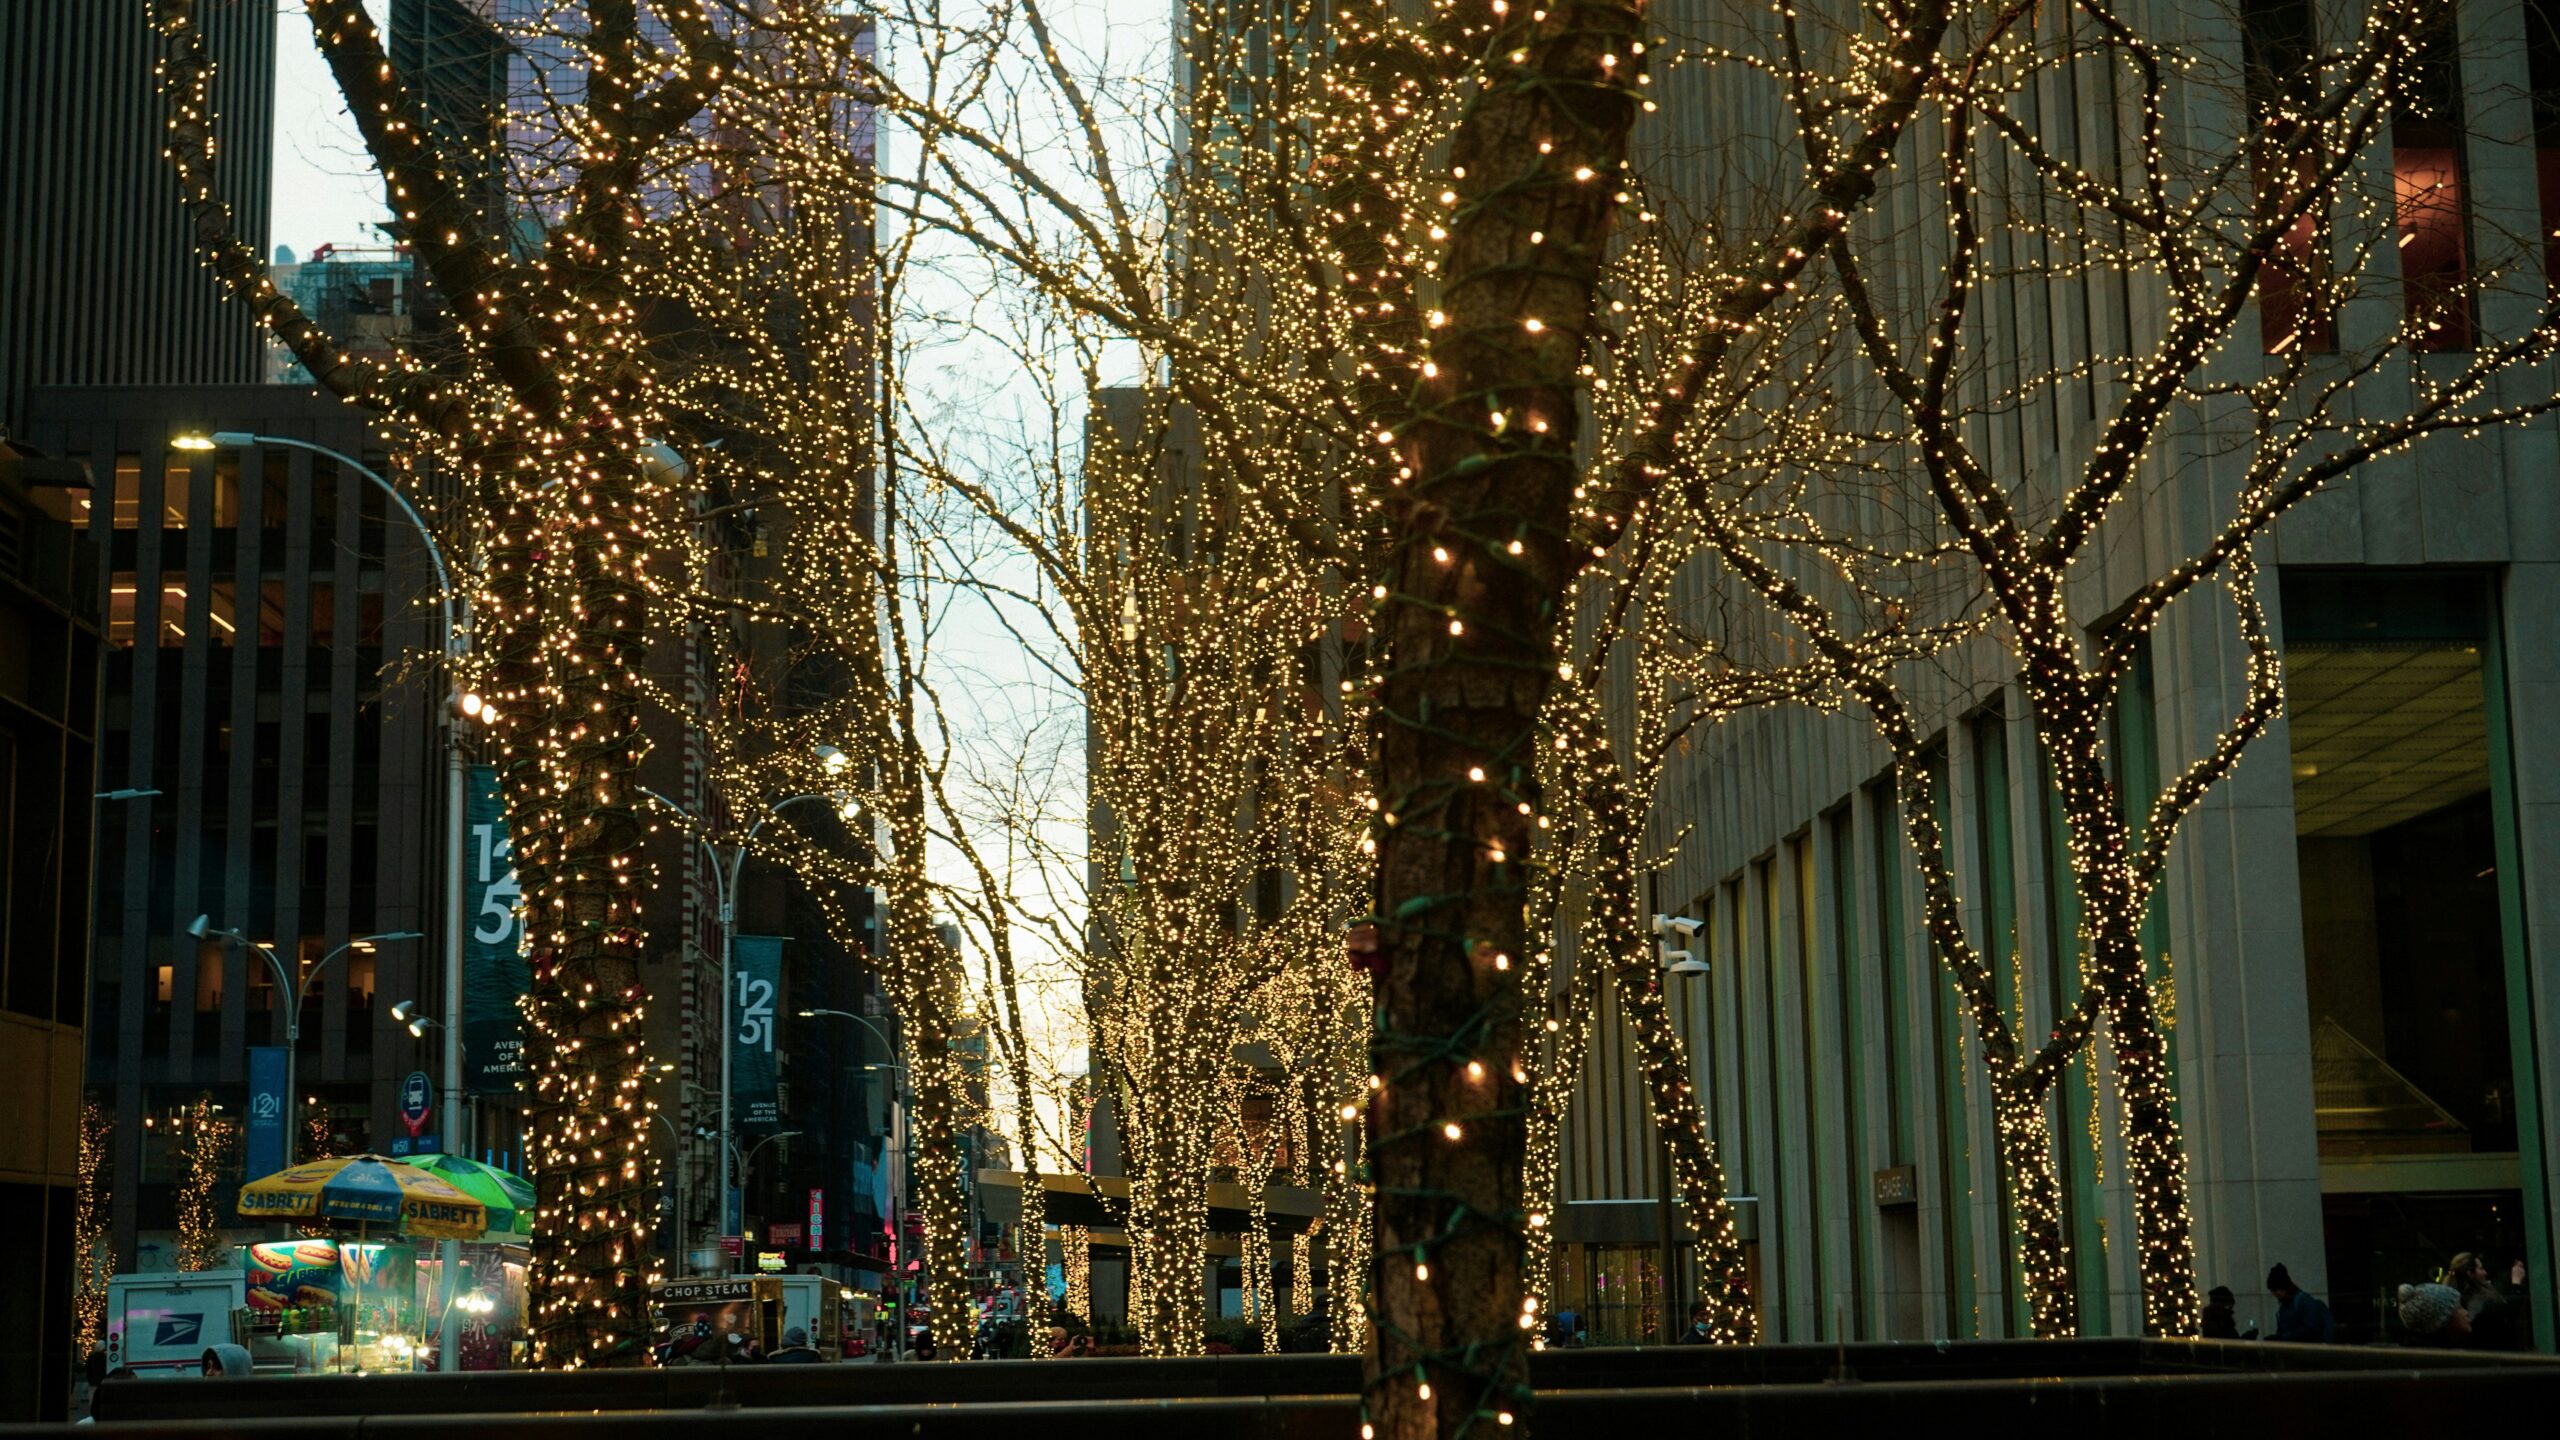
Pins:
<point x="755" y="985"/>
<point x="494" y="974"/>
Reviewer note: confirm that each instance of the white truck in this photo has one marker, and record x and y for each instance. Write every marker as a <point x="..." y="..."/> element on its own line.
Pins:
<point x="160" y="1324"/>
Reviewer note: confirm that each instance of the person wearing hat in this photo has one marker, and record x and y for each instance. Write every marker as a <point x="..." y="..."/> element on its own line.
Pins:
<point x="2218" y="1321"/>
<point x="2301" y="1318"/>
<point x="796" y="1349"/>
<point x="2433" y="1315"/>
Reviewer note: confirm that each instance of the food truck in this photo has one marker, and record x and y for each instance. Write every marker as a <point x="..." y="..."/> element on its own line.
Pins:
<point x="761" y="1307"/>
<point x="710" y="1310"/>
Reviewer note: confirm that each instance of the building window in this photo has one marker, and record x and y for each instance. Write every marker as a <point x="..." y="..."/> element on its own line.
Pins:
<point x="123" y="598"/>
<point x="2542" y="63"/>
<point x="2293" y="304"/>
<point x="2427" y="184"/>
<point x="275" y="488"/>
<point x="271" y="602"/>
<point x="226" y="490"/>
<point x="209" y="976"/>
<point x="2391" y="684"/>
<point x="222" y="617"/>
<point x="1839" y="839"/>
<point x="177" y="482"/>
<point x="173" y="614"/>
<point x="127" y="499"/>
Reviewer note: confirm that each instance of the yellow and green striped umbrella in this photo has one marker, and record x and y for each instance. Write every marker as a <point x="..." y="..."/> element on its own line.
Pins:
<point x="370" y="1188"/>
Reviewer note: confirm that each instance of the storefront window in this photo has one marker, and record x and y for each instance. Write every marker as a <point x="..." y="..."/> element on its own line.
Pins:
<point x="2390" y="689"/>
<point x="2407" y="977"/>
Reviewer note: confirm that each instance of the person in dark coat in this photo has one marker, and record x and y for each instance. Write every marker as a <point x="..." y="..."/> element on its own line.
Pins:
<point x="796" y="1349"/>
<point x="1699" y="1332"/>
<point x="2301" y="1318"/>
<point x="2219" y="1323"/>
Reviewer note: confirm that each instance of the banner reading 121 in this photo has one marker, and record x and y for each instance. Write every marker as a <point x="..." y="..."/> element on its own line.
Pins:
<point x="494" y="974"/>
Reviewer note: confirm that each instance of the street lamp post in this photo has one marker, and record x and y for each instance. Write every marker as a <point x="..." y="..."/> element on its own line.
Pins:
<point x="296" y="988"/>
<point x="725" y="873"/>
<point x="675" y="1140"/>
<point x="904" y="1094"/>
<point x="457" y="644"/>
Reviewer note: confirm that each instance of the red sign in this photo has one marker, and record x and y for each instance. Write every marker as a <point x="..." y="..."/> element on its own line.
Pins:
<point x="817" y="1218"/>
<point x="779" y="1236"/>
<point x="733" y="1245"/>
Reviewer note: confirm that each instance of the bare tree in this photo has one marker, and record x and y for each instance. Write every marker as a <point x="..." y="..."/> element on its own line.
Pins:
<point x="2267" y="347"/>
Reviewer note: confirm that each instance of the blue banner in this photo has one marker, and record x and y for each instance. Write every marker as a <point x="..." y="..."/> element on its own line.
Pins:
<point x="265" y="1142"/>
<point x="494" y="974"/>
<point x="755" y="988"/>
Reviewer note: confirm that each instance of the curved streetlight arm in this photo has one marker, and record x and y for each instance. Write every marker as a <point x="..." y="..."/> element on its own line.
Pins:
<point x="864" y="1021"/>
<point x="725" y="870"/>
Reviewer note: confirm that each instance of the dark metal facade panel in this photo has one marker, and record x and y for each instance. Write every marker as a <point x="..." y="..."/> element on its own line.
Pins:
<point x="99" y="282"/>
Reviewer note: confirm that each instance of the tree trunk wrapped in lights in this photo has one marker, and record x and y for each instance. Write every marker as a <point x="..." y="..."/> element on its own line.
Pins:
<point x="94" y="1259"/>
<point x="539" y="402"/>
<point x="207" y="1141"/>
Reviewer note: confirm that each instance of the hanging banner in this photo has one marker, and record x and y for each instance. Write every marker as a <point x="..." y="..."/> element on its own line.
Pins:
<point x="265" y="1142"/>
<point x="494" y="974"/>
<point x="755" y="987"/>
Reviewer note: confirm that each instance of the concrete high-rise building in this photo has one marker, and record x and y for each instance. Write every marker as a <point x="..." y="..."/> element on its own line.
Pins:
<point x="2361" y="923"/>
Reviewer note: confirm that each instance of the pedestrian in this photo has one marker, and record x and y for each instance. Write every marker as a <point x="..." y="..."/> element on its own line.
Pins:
<point x="2219" y="1323"/>
<point x="2300" y="1318"/>
<point x="2432" y="1315"/>
<point x="2492" y="1316"/>
<point x="1698" y="1333"/>
<point x="740" y="1350"/>
<point x="228" y="1361"/>
<point x="924" y="1345"/>
<point x="796" y="1349"/>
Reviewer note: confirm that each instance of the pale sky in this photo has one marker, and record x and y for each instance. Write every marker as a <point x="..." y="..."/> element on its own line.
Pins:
<point x="326" y="194"/>
<point x="323" y="193"/>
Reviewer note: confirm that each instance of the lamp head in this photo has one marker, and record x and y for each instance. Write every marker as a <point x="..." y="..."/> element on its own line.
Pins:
<point x="191" y="441"/>
<point x="199" y="926"/>
<point x="402" y="1011"/>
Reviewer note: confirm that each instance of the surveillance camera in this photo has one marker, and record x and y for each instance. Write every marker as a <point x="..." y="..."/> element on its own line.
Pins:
<point x="1680" y="925"/>
<point x="1681" y="962"/>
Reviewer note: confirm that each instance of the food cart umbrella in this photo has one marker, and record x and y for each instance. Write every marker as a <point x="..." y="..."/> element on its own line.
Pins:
<point x="507" y="1195"/>
<point x="368" y="1189"/>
